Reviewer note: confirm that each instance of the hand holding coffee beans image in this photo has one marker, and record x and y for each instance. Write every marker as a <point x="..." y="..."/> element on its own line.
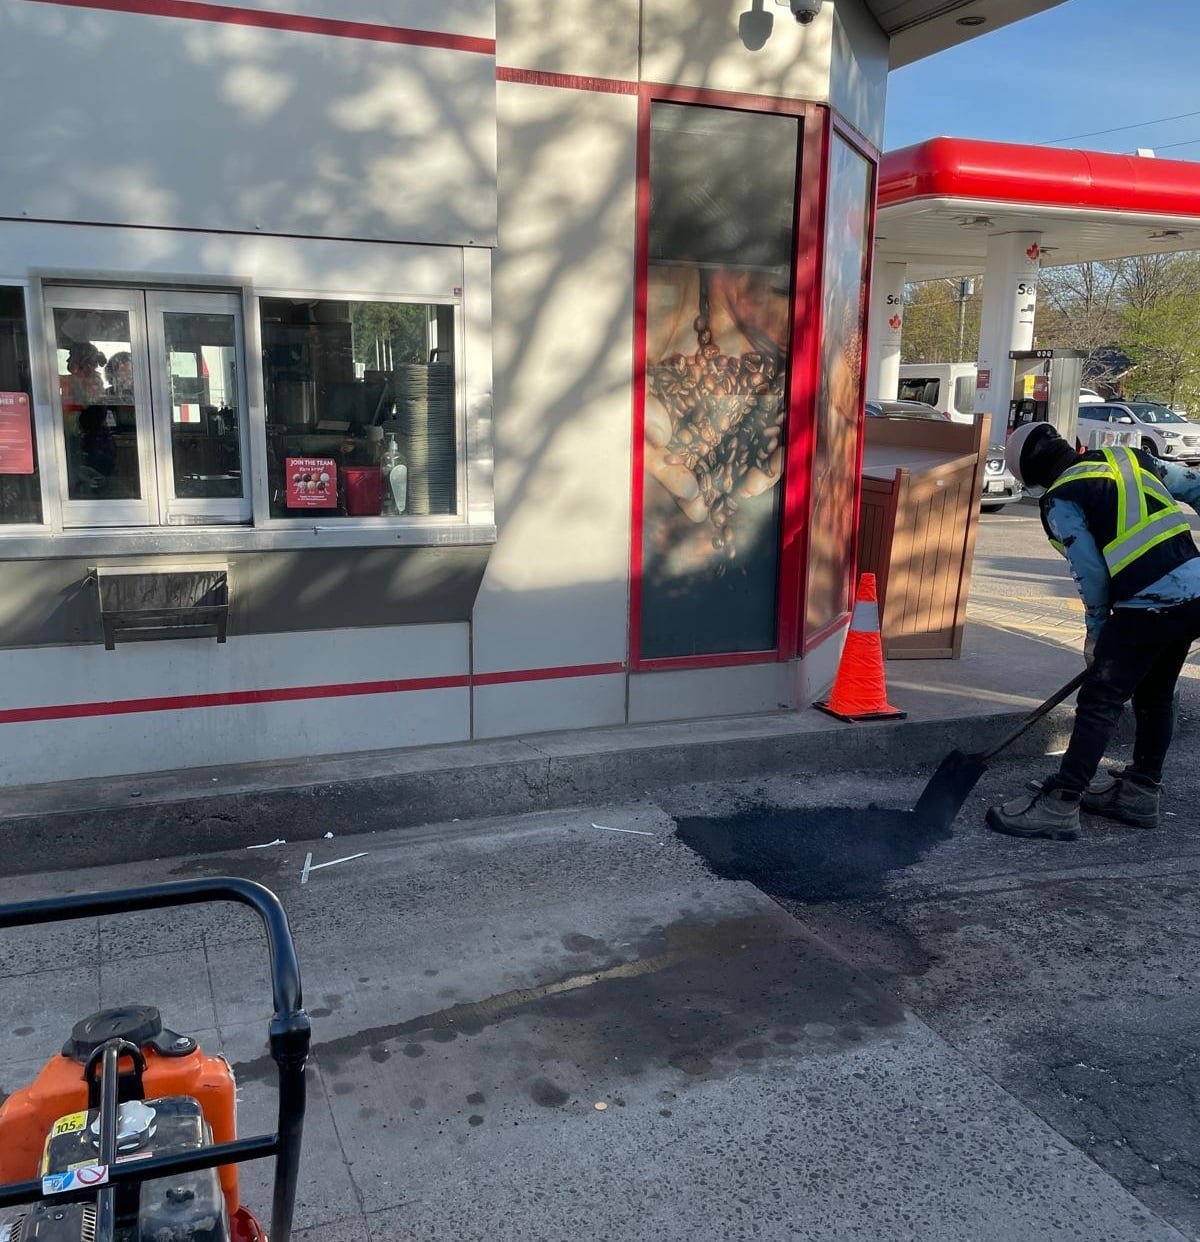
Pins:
<point x="715" y="390"/>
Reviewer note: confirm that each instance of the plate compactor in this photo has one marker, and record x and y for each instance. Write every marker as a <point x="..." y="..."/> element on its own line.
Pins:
<point x="128" y="1135"/>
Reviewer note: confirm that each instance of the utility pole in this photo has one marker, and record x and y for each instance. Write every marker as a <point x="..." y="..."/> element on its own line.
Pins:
<point x="966" y="289"/>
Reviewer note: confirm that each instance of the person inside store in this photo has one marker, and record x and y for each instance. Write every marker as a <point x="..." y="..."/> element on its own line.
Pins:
<point x="119" y="373"/>
<point x="97" y="447"/>
<point x="83" y="385"/>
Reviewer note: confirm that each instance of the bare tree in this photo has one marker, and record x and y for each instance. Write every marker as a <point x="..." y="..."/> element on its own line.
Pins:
<point x="936" y="317"/>
<point x="1079" y="307"/>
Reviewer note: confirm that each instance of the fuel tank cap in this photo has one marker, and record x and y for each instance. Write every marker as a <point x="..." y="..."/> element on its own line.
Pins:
<point x="139" y="1024"/>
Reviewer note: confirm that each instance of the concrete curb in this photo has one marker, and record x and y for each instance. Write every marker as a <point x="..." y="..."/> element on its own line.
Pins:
<point x="93" y="823"/>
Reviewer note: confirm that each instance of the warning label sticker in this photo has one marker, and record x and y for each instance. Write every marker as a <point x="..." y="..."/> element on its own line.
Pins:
<point x="75" y="1179"/>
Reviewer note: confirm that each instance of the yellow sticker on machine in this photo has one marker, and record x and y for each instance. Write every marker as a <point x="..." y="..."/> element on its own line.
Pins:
<point x="69" y="1124"/>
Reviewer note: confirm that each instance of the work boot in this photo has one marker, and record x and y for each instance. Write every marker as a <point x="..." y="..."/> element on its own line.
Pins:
<point x="1125" y="796"/>
<point x="1051" y="813"/>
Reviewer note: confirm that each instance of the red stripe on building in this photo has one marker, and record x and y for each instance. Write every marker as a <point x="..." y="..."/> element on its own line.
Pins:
<point x="197" y="11"/>
<point x="292" y="694"/>
<point x="545" y="674"/>
<point x="566" y="81"/>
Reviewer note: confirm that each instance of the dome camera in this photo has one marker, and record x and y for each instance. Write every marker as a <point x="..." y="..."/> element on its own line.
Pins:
<point x="805" y="10"/>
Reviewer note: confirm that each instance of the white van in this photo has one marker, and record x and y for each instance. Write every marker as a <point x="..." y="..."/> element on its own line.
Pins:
<point x="947" y="386"/>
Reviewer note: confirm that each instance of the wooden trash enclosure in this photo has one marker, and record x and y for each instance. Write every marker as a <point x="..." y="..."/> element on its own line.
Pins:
<point x="918" y="516"/>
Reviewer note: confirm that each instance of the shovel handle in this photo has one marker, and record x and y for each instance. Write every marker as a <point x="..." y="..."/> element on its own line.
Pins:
<point x="1038" y="712"/>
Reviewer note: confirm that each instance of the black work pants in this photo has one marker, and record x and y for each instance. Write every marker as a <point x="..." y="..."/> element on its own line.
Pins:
<point x="1138" y="656"/>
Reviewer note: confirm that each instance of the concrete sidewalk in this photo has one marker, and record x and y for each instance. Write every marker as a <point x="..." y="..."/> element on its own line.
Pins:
<point x="539" y="1028"/>
<point x="1023" y="639"/>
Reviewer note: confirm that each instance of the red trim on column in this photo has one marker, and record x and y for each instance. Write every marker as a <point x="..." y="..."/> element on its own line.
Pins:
<point x="725" y="659"/>
<point x="293" y="694"/>
<point x="803" y="383"/>
<point x="817" y="331"/>
<point x="816" y="638"/>
<point x="800" y="383"/>
<point x="641" y="280"/>
<point x="565" y="81"/>
<point x="851" y="137"/>
<point x="705" y="97"/>
<point x="1048" y="176"/>
<point x="196" y="10"/>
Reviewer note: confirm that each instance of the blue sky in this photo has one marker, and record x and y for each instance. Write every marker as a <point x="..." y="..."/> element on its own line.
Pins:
<point x="1082" y="66"/>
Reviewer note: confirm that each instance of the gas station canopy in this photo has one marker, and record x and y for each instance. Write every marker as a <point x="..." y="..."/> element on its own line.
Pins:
<point x="919" y="28"/>
<point x="940" y="200"/>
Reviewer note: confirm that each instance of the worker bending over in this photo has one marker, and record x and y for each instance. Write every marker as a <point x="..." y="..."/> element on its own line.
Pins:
<point x="1113" y="514"/>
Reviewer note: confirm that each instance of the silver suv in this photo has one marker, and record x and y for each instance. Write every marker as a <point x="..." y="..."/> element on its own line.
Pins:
<point x="1160" y="430"/>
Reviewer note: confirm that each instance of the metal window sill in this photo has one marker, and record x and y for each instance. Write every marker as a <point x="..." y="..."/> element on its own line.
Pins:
<point x="54" y="545"/>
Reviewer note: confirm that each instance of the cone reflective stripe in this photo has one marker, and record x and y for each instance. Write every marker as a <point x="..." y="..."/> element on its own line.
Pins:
<point x="859" y="691"/>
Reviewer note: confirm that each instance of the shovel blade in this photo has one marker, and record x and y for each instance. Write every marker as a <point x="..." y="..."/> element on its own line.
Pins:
<point x="948" y="789"/>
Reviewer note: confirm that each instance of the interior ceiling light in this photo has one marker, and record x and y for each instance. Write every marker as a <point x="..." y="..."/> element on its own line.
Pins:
<point x="975" y="19"/>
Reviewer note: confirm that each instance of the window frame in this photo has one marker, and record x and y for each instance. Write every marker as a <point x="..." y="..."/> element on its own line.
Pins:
<point x="232" y="510"/>
<point x="473" y="524"/>
<point x="103" y="514"/>
<point x="383" y="522"/>
<point x="12" y="531"/>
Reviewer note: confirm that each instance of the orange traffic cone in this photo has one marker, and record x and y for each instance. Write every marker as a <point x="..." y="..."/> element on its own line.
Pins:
<point x="858" y="690"/>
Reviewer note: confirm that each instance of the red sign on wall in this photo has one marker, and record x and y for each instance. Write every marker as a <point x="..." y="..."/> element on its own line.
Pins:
<point x="984" y="379"/>
<point x="16" y="434"/>
<point x="311" y="482"/>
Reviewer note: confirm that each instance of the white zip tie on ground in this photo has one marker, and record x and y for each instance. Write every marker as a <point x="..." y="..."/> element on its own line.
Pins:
<point x="310" y="866"/>
<point x="266" y="845"/>
<point x="637" y="832"/>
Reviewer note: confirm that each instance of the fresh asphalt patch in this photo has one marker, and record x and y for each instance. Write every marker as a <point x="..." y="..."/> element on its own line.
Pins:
<point x="812" y="854"/>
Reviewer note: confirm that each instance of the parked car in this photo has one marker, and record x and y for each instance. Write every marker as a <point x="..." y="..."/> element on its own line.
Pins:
<point x="904" y="409"/>
<point x="1000" y="486"/>
<point x="1159" y="430"/>
<point x="947" y="386"/>
<point x="1153" y="400"/>
<point x="1089" y="396"/>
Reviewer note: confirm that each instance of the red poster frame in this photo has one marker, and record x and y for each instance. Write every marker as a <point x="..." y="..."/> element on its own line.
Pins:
<point x="803" y="372"/>
<point x="870" y="154"/>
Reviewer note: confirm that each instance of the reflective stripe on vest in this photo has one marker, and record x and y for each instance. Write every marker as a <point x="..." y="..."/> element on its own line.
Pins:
<point x="1138" y="530"/>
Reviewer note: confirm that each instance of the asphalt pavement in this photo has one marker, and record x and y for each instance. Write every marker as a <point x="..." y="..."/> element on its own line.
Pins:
<point x="762" y="1006"/>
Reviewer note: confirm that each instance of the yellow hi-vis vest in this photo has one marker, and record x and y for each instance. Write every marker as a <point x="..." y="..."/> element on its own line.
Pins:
<point x="1143" y="516"/>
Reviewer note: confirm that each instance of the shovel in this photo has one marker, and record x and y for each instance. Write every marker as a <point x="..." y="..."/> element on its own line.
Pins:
<point x="958" y="774"/>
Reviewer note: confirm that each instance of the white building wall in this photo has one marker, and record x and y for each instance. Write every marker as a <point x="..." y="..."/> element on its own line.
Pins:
<point x="858" y="73"/>
<point x="556" y="590"/>
<point x="185" y="733"/>
<point x="701" y="45"/>
<point x="127" y="118"/>
<point x="292" y="132"/>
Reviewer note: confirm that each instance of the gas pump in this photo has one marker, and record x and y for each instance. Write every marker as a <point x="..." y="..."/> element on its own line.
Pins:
<point x="1046" y="389"/>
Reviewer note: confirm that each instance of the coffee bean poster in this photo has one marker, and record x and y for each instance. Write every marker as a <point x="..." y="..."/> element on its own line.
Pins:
<point x="718" y="321"/>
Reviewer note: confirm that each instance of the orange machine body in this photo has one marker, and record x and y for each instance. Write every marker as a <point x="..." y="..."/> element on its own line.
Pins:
<point x="27" y="1116"/>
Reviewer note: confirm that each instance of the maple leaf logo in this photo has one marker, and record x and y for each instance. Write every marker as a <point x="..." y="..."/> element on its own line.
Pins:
<point x="894" y="322"/>
<point x="1033" y="252"/>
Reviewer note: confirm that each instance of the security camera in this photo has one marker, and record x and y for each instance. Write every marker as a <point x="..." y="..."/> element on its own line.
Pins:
<point x="805" y="10"/>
